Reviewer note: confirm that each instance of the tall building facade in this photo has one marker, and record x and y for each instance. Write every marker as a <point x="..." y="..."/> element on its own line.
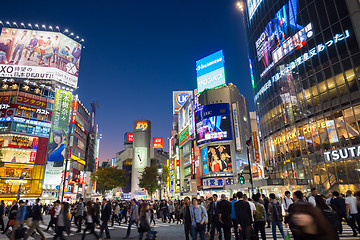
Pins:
<point x="305" y="66"/>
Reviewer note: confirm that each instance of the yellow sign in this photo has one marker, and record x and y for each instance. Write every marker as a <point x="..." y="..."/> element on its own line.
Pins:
<point x="15" y="182"/>
<point x="73" y="157"/>
<point x="141" y="126"/>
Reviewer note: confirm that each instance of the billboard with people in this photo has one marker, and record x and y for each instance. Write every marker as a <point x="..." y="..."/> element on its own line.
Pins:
<point x="35" y="54"/>
<point x="219" y="158"/>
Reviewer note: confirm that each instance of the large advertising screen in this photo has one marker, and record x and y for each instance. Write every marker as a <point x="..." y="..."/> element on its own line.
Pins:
<point x="179" y="98"/>
<point x="185" y="116"/>
<point x="213" y="123"/>
<point x="210" y="71"/>
<point x="57" y="141"/>
<point x="219" y="158"/>
<point x="281" y="36"/>
<point x="34" y="54"/>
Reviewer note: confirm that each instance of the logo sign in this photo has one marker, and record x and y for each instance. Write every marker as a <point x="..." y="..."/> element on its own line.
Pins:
<point x="130" y="137"/>
<point x="141" y="126"/>
<point x="179" y="99"/>
<point x="158" y="143"/>
<point x="216" y="182"/>
<point x="182" y="97"/>
<point x="342" y="154"/>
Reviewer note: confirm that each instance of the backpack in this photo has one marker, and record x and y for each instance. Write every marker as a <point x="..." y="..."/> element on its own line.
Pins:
<point x="259" y="212"/>
<point x="276" y="212"/>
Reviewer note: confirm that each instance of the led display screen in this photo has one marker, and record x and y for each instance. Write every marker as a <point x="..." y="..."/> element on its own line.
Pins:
<point x="213" y="123"/>
<point x="219" y="158"/>
<point x="210" y="71"/>
<point x="34" y="54"/>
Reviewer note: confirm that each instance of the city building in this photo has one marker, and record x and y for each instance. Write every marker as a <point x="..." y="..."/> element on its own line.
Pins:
<point x="305" y="65"/>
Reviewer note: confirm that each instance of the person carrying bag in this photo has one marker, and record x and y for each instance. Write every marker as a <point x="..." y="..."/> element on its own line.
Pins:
<point x="198" y="219"/>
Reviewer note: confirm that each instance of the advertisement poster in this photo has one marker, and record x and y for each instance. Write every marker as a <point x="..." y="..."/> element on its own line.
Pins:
<point x="141" y="157"/>
<point x="213" y="123"/>
<point x="204" y="154"/>
<point x="158" y="143"/>
<point x="219" y="158"/>
<point x="34" y="54"/>
<point x="185" y="115"/>
<point x="57" y="141"/>
<point x="210" y="71"/>
<point x="179" y="98"/>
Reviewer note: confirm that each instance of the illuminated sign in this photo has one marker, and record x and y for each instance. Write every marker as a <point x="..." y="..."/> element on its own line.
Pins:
<point x="252" y="6"/>
<point x="184" y="135"/>
<point x="67" y="195"/>
<point x="4" y="106"/>
<point x="342" y="154"/>
<point x="179" y="98"/>
<point x="23" y="120"/>
<point x="204" y="153"/>
<point x="236" y="127"/>
<point x="141" y="126"/>
<point x="210" y="71"/>
<point x="79" y="160"/>
<point x="216" y="182"/>
<point x="158" y="143"/>
<point x="15" y="182"/>
<point x="302" y="59"/>
<point x="31" y="102"/>
<point x="130" y="137"/>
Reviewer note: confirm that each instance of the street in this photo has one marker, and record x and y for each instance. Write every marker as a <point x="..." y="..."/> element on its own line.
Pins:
<point x="165" y="231"/>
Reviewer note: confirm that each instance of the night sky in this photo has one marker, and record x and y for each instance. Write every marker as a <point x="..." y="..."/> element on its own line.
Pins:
<point x="138" y="51"/>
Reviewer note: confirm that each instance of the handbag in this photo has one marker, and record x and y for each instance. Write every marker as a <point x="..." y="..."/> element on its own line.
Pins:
<point x="199" y="227"/>
<point x="12" y="222"/>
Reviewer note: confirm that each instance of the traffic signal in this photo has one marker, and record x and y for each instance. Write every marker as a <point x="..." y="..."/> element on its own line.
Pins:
<point x="241" y="179"/>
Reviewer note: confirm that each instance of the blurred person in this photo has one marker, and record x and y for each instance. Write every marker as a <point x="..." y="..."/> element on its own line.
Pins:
<point x="243" y="216"/>
<point x="79" y="214"/>
<point x="198" y="217"/>
<point x="266" y="205"/>
<point x="11" y="216"/>
<point x="328" y="212"/>
<point x="96" y="209"/>
<point x="233" y="216"/>
<point x="2" y="215"/>
<point x="338" y="205"/>
<point x="259" y="217"/>
<point x="134" y="216"/>
<point x="252" y="206"/>
<point x="208" y="225"/>
<point x="20" y="217"/>
<point x="224" y="210"/>
<point x="115" y="214"/>
<point x="144" y="225"/>
<point x="36" y="218"/>
<point x="62" y="221"/>
<point x="310" y="224"/>
<point x="152" y="214"/>
<point x="171" y="209"/>
<point x="287" y="201"/>
<point x="54" y="212"/>
<point x="105" y="218"/>
<point x="90" y="220"/>
<point x="275" y="214"/>
<point x="352" y="212"/>
<point x="314" y="193"/>
<point x="214" y="218"/>
<point x="187" y="218"/>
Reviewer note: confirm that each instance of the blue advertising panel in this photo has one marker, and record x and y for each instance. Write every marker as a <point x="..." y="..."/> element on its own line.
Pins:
<point x="210" y="71"/>
<point x="213" y="123"/>
<point x="204" y="154"/>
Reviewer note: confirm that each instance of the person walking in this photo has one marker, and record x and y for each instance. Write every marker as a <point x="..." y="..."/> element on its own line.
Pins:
<point x="62" y="221"/>
<point x="171" y="209"/>
<point x="337" y="203"/>
<point x="187" y="218"/>
<point x="243" y="217"/>
<point x="134" y="216"/>
<point x="2" y="214"/>
<point x="214" y="218"/>
<point x="105" y="218"/>
<point x="144" y="225"/>
<point x="233" y="216"/>
<point x="352" y="212"/>
<point x="11" y="216"/>
<point x="115" y="214"/>
<point x="328" y="213"/>
<point x="90" y="220"/>
<point x="266" y="205"/>
<point x="314" y="192"/>
<point x="259" y="217"/>
<point x="79" y="214"/>
<point x="198" y="218"/>
<point x="275" y="213"/>
<point x="287" y="201"/>
<point x="36" y="218"/>
<point x="20" y="217"/>
<point x="224" y="210"/>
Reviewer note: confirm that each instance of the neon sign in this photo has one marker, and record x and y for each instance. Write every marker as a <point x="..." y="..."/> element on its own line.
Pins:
<point x="298" y="61"/>
<point x="141" y="126"/>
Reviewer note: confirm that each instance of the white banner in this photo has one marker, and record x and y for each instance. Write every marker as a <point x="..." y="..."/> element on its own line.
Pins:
<point x="236" y="127"/>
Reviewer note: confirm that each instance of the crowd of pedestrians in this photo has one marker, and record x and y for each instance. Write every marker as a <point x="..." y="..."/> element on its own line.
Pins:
<point x="314" y="217"/>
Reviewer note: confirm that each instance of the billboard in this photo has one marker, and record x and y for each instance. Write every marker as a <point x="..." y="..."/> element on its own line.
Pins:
<point x="57" y="141"/>
<point x="141" y="157"/>
<point x="185" y="116"/>
<point x="179" y="98"/>
<point x="158" y="143"/>
<point x="281" y="36"/>
<point x="205" y="160"/>
<point x="210" y="71"/>
<point x="128" y="138"/>
<point x="219" y="158"/>
<point x="35" y="54"/>
<point x="213" y="123"/>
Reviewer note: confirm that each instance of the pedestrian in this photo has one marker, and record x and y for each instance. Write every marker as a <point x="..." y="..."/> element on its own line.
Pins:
<point x="198" y="218"/>
<point x="252" y="206"/>
<point x="144" y="225"/>
<point x="134" y="216"/>
<point x="171" y="210"/>
<point x="36" y="218"/>
<point x="275" y="213"/>
<point x="310" y="224"/>
<point x="62" y="221"/>
<point x="96" y="208"/>
<point x="266" y="205"/>
<point x="152" y="214"/>
<point x="20" y="217"/>
<point x="338" y="205"/>
<point x="243" y="217"/>
<point x="11" y="216"/>
<point x="79" y="214"/>
<point x="214" y="218"/>
<point x="311" y="200"/>
<point x="187" y="218"/>
<point x="2" y="214"/>
<point x="352" y="212"/>
<point x="224" y="210"/>
<point x="208" y="210"/>
<point x="328" y="213"/>
<point x="105" y="218"/>
<point x="259" y="217"/>
<point x="90" y="220"/>
<point x="287" y="201"/>
<point x="115" y="214"/>
<point x="233" y="216"/>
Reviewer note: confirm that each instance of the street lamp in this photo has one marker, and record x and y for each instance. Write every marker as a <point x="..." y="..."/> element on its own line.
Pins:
<point x="240" y="5"/>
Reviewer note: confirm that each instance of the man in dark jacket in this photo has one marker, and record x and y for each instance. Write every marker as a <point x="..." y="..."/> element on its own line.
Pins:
<point x="187" y="218"/>
<point x="214" y="218"/>
<point x="224" y="209"/>
<point x="105" y="217"/>
<point x="36" y="218"/>
<point x="2" y="214"/>
<point x="11" y="215"/>
<point x="339" y="206"/>
<point x="243" y="216"/>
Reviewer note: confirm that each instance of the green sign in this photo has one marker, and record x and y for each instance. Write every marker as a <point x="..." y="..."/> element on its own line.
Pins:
<point x="187" y="171"/>
<point x="184" y="135"/>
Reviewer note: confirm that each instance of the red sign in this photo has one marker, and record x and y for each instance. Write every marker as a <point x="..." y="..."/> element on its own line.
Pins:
<point x="4" y="99"/>
<point x="67" y="195"/>
<point x="130" y="137"/>
<point x="32" y="157"/>
<point x="66" y="181"/>
<point x="158" y="143"/>
<point x="31" y="102"/>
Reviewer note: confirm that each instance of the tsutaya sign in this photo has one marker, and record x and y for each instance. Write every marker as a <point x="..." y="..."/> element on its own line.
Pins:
<point x="342" y="154"/>
<point x="303" y="58"/>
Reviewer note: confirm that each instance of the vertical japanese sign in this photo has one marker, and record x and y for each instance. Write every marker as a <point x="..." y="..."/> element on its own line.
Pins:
<point x="57" y="142"/>
<point x="236" y="127"/>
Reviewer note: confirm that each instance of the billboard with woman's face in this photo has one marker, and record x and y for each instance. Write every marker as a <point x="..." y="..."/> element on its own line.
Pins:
<point x="219" y="158"/>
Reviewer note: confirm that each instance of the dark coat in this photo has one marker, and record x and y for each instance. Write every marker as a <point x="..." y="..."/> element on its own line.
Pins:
<point x="106" y="212"/>
<point x="339" y="206"/>
<point x="243" y="213"/>
<point x="224" y="208"/>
